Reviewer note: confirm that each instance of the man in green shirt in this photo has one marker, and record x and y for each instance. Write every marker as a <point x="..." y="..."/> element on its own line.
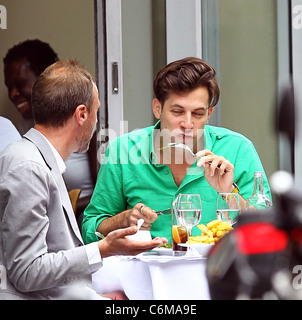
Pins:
<point x="139" y="178"/>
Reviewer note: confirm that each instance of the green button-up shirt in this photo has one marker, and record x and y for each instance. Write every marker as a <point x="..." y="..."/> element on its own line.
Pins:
<point x="130" y="174"/>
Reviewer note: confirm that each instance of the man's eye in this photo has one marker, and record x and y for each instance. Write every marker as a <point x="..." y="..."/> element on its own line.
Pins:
<point x="198" y="114"/>
<point x="177" y="111"/>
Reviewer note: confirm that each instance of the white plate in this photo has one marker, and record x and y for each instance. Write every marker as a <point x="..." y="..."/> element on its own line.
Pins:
<point x="163" y="251"/>
<point x="201" y="248"/>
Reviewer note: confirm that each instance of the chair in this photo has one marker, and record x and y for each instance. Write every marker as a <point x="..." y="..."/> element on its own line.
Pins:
<point x="74" y="195"/>
<point x="78" y="204"/>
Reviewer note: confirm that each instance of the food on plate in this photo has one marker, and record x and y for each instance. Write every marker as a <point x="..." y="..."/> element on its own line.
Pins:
<point x="212" y="232"/>
<point x="165" y="245"/>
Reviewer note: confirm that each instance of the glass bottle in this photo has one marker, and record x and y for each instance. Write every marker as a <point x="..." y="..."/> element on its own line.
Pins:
<point x="258" y="200"/>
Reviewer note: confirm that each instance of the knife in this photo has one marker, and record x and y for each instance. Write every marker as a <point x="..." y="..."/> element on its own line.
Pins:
<point x="167" y="211"/>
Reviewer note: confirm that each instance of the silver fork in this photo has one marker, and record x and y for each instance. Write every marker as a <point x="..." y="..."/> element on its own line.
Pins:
<point x="184" y="146"/>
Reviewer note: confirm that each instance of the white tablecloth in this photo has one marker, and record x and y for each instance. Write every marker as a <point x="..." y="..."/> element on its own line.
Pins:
<point x="150" y="277"/>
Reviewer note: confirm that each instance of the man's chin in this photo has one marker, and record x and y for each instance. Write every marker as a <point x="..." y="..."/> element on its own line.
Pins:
<point x="83" y="148"/>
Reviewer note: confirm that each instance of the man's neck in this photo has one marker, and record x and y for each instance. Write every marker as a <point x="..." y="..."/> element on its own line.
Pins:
<point x="59" y="138"/>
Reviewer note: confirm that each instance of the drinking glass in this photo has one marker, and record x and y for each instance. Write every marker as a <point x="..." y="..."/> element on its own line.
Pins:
<point x="179" y="236"/>
<point x="179" y="232"/>
<point x="189" y="211"/>
<point x="228" y="207"/>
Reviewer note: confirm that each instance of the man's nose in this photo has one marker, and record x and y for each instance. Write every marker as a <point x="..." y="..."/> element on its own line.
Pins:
<point x="187" y="122"/>
<point x="13" y="93"/>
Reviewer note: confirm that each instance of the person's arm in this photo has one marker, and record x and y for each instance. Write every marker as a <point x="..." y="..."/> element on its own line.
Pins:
<point x="117" y="243"/>
<point x="128" y="218"/>
<point x="117" y="221"/>
<point x="246" y="162"/>
<point x="107" y="199"/>
<point x="24" y="202"/>
<point x="219" y="173"/>
<point x="107" y="209"/>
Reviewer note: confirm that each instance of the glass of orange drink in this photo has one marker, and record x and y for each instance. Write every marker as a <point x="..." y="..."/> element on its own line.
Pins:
<point x="179" y="233"/>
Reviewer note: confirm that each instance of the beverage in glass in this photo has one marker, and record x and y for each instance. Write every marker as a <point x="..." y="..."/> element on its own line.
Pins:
<point x="179" y="232"/>
<point x="189" y="211"/>
<point x="228" y="208"/>
<point x="179" y="235"/>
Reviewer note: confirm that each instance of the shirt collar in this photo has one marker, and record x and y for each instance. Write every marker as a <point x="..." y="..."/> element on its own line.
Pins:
<point x="59" y="160"/>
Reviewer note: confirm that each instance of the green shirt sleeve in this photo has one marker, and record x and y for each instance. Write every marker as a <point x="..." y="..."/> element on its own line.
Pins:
<point x="107" y="198"/>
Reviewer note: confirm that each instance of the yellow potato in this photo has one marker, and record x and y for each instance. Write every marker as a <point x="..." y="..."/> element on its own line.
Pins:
<point x="201" y="227"/>
<point x="221" y="228"/>
<point x="213" y="223"/>
<point x="211" y="233"/>
<point x="199" y="238"/>
<point x="204" y="229"/>
<point x="224" y="226"/>
<point x="221" y="233"/>
<point x="214" y="230"/>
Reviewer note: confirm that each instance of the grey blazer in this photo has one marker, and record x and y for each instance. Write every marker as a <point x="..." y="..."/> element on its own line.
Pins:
<point x="41" y="248"/>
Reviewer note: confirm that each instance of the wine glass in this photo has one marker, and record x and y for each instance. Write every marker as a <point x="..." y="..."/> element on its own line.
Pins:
<point x="228" y="207"/>
<point x="189" y="211"/>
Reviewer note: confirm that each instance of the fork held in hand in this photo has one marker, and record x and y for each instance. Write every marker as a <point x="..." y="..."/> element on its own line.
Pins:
<point x="185" y="147"/>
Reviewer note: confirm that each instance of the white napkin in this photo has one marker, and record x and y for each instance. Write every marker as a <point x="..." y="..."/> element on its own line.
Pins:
<point x="141" y="235"/>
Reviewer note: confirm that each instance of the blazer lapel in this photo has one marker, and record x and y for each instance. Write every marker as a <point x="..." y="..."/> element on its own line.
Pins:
<point x="36" y="137"/>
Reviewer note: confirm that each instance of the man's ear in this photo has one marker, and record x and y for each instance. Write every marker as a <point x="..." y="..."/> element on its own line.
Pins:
<point x="81" y="114"/>
<point x="156" y="107"/>
<point x="211" y="109"/>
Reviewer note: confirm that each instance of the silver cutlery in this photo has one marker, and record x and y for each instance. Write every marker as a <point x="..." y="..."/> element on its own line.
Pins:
<point x="99" y="235"/>
<point x="185" y="147"/>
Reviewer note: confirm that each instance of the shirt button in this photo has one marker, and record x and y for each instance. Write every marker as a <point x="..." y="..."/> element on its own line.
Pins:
<point x="166" y="172"/>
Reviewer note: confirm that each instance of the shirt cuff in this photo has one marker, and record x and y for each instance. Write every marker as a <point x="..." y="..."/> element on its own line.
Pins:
<point x="94" y="256"/>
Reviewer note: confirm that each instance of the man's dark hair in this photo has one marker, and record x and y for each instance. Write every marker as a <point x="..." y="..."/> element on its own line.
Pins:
<point x="186" y="75"/>
<point x="39" y="54"/>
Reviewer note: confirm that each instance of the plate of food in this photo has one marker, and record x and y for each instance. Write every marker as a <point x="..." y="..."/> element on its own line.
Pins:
<point x="163" y="250"/>
<point x="201" y="248"/>
<point x="210" y="234"/>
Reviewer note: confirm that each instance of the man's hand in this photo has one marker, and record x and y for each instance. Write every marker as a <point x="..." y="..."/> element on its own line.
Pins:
<point x="116" y="295"/>
<point x="128" y="218"/>
<point x="141" y="211"/>
<point x="117" y="243"/>
<point x="218" y="171"/>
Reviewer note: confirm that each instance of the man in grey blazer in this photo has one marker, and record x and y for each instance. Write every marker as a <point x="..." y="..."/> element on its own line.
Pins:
<point x="42" y="255"/>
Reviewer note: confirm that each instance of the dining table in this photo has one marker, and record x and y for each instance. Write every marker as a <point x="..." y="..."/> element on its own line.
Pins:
<point x="154" y="275"/>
